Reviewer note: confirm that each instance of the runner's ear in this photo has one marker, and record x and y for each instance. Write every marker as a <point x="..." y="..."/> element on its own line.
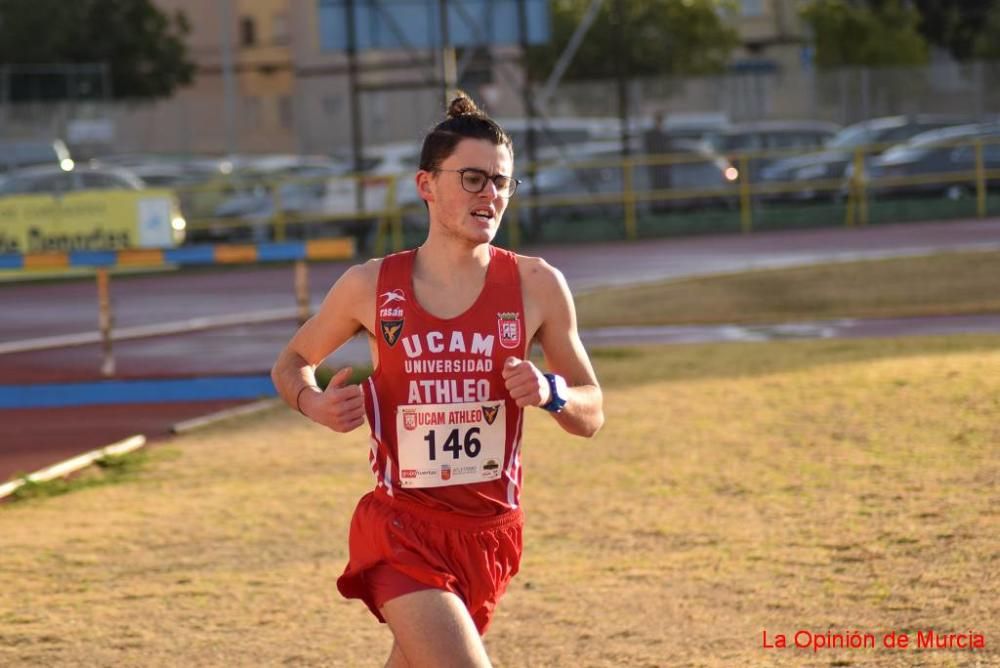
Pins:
<point x="423" y="179"/>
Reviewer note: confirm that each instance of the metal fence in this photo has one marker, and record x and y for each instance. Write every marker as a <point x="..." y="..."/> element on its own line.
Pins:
<point x="314" y="117"/>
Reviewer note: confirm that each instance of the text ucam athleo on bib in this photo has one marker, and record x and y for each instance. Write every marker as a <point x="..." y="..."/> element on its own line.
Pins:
<point x="450" y="444"/>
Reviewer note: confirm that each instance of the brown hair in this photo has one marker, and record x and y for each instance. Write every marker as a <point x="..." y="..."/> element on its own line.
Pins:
<point x="465" y="121"/>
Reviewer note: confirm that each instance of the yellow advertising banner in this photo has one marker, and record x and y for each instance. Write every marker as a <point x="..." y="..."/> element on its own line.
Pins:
<point x="90" y="220"/>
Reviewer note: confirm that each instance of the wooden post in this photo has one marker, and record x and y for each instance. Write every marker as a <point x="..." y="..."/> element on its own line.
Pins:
<point x="746" y="204"/>
<point x="302" y="291"/>
<point x="980" y="181"/>
<point x="631" y="225"/>
<point x="105" y="320"/>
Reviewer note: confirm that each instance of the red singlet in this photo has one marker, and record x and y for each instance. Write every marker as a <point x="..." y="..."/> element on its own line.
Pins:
<point x="445" y="432"/>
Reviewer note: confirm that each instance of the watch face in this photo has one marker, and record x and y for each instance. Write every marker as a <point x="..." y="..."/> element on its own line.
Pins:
<point x="561" y="388"/>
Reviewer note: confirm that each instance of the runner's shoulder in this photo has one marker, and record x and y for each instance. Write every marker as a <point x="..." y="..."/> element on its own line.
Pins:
<point x="361" y="277"/>
<point x="538" y="274"/>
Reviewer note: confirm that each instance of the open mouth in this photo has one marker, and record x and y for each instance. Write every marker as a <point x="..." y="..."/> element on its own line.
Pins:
<point x="485" y="215"/>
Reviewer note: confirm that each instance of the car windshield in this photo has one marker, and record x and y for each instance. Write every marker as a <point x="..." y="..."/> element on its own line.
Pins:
<point x="922" y="144"/>
<point x="852" y="137"/>
<point x="735" y="142"/>
<point x="24" y="154"/>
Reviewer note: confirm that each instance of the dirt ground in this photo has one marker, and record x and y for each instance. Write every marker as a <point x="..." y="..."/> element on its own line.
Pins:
<point x="737" y="489"/>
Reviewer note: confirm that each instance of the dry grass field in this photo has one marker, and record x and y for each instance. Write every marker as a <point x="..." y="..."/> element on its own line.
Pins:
<point x="942" y="284"/>
<point x="823" y="486"/>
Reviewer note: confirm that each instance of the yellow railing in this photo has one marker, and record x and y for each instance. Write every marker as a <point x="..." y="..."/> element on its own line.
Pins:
<point x="382" y="215"/>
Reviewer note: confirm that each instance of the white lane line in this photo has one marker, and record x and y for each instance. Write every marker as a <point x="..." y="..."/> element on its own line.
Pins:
<point x="143" y="331"/>
<point x="74" y="464"/>
<point x="225" y="414"/>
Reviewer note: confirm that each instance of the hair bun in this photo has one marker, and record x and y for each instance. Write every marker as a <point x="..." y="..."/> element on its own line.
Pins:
<point x="463" y="105"/>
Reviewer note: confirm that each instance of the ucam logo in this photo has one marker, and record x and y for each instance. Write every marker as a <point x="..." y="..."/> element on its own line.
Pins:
<point x="457" y="342"/>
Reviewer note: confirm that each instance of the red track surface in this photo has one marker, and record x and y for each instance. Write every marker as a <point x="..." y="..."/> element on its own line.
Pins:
<point x="31" y="439"/>
<point x="37" y="437"/>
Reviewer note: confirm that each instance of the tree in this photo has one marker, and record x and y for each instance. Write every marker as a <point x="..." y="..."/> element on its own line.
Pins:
<point x="144" y="47"/>
<point x="661" y="37"/>
<point x="881" y="34"/>
<point x="985" y="44"/>
<point x="963" y="27"/>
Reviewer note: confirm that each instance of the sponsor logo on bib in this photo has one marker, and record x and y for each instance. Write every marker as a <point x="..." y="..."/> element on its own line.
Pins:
<point x="445" y="472"/>
<point x="490" y="413"/>
<point x="409" y="420"/>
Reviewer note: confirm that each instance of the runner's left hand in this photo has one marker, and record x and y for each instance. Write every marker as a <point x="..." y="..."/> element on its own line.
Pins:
<point x="525" y="383"/>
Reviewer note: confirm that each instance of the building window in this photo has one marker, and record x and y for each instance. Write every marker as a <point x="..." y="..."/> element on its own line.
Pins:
<point x="752" y="7"/>
<point x="248" y="31"/>
<point x="279" y="29"/>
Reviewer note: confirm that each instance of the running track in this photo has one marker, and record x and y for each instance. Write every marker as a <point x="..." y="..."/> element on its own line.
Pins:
<point x="30" y="439"/>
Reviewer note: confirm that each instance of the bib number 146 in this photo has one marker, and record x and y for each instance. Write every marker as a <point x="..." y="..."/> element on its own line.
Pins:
<point x="450" y="444"/>
<point x="454" y="443"/>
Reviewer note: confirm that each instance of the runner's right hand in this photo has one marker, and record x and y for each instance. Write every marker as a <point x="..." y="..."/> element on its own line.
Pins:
<point x="341" y="406"/>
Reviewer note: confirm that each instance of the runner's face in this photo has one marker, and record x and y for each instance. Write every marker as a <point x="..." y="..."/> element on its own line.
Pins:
<point x="472" y="217"/>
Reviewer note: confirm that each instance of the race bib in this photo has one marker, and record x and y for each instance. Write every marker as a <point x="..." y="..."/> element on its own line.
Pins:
<point x="450" y="444"/>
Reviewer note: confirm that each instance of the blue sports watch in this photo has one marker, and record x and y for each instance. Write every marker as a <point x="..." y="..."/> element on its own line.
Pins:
<point x="558" y="388"/>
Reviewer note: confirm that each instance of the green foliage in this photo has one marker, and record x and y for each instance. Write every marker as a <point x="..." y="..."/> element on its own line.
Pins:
<point x="966" y="28"/>
<point x="986" y="44"/>
<point x="358" y="374"/>
<point x="851" y="34"/>
<point x="660" y="37"/>
<point x="108" y="470"/>
<point x="144" y="47"/>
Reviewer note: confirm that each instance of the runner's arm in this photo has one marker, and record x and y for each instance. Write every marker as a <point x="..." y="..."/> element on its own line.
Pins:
<point x="338" y="319"/>
<point x="564" y="353"/>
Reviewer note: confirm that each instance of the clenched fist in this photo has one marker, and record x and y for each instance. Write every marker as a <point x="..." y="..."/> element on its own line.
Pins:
<point x="341" y="407"/>
<point x="526" y="384"/>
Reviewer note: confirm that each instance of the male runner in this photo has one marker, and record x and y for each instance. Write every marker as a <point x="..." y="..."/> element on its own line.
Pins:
<point x="450" y="324"/>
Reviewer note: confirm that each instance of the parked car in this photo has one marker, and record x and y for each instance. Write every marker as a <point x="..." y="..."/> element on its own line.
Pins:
<point x="939" y="163"/>
<point x="20" y="153"/>
<point x="249" y="194"/>
<point x="56" y="180"/>
<point x="595" y="171"/>
<point x="821" y="173"/>
<point x="764" y="141"/>
<point x="86" y="207"/>
<point x="553" y="136"/>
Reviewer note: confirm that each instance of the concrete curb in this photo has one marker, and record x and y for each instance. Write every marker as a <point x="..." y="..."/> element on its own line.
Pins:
<point x="74" y="464"/>
<point x="219" y="416"/>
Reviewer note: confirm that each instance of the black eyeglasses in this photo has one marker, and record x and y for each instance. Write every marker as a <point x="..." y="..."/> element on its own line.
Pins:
<point x="474" y="180"/>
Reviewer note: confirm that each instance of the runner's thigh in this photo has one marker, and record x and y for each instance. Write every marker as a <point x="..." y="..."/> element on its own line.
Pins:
<point x="434" y="629"/>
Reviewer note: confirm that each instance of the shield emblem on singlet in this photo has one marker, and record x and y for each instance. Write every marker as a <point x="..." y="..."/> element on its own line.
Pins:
<point x="391" y="329"/>
<point x="509" y="328"/>
<point x="490" y="413"/>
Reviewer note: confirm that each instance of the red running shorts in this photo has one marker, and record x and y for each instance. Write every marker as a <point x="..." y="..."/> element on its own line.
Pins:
<point x="398" y="547"/>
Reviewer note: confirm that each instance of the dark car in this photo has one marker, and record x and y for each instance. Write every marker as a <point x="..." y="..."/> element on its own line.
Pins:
<point x="820" y="175"/>
<point x="591" y="182"/>
<point x="762" y="143"/>
<point x="939" y="163"/>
